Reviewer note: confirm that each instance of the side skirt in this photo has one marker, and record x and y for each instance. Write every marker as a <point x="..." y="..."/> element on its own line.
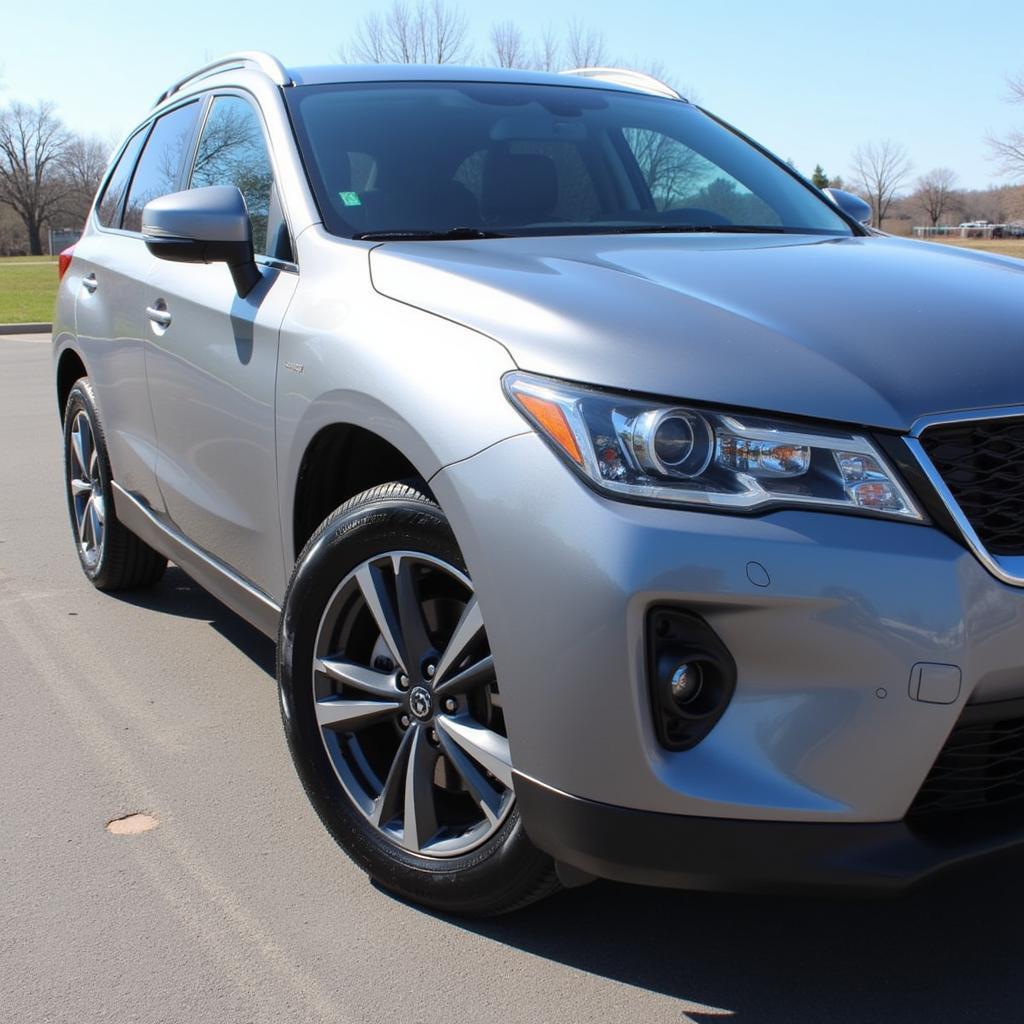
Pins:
<point x="237" y="593"/>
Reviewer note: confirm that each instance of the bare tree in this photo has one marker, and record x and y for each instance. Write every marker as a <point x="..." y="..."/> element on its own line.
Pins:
<point x="880" y="170"/>
<point x="33" y="142"/>
<point x="936" y="193"/>
<point x="429" y="32"/>
<point x="548" y="54"/>
<point x="84" y="163"/>
<point x="508" y="50"/>
<point x="1009" y="150"/>
<point x="586" y="45"/>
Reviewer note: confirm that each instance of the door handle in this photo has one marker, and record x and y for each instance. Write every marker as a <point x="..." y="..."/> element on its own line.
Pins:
<point x="90" y="284"/>
<point x="159" y="316"/>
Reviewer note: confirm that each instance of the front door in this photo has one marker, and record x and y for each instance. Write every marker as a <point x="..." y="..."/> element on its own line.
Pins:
<point x="211" y="362"/>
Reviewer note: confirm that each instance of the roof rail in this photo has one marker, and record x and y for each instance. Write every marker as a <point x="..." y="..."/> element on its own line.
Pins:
<point x="630" y="79"/>
<point x="264" y="62"/>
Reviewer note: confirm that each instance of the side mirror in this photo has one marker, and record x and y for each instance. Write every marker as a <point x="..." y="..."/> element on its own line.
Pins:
<point x="203" y="225"/>
<point x="853" y="206"/>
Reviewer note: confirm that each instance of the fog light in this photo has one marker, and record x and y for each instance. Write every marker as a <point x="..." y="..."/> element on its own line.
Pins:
<point x="692" y="676"/>
<point x="686" y="682"/>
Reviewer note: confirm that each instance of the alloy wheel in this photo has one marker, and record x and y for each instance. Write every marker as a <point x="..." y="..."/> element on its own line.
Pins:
<point x="86" y="489"/>
<point x="408" y="705"/>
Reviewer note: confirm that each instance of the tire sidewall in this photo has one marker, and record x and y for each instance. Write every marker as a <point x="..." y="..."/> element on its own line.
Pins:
<point x="346" y="540"/>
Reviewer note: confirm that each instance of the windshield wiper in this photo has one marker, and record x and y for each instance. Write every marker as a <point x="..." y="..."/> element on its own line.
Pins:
<point x="689" y="229"/>
<point x="451" y="234"/>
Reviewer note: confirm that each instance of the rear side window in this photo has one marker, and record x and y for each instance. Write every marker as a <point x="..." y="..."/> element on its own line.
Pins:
<point x="109" y="209"/>
<point x="160" y="165"/>
<point x="232" y="151"/>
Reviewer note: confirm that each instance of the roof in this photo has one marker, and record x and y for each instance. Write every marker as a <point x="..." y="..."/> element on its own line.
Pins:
<point x="617" y="79"/>
<point x="332" y="73"/>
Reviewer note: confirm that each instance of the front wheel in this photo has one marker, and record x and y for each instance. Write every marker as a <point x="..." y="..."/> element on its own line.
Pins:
<point x="393" y="713"/>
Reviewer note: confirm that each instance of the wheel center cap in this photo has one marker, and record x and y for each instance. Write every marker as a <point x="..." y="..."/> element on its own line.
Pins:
<point x="420" y="702"/>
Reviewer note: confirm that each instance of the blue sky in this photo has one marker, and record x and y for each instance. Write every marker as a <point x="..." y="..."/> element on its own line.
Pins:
<point x="808" y="80"/>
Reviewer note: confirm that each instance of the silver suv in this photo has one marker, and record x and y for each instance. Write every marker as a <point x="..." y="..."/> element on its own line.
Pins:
<point x="622" y="505"/>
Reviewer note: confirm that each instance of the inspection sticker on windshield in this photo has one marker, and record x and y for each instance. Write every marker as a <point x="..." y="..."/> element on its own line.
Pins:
<point x="350" y="198"/>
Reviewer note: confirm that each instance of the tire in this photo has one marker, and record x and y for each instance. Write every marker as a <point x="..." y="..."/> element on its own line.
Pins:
<point x="111" y="556"/>
<point x="467" y="867"/>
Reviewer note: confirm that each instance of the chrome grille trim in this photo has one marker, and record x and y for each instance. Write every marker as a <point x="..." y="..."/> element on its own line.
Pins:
<point x="1008" y="569"/>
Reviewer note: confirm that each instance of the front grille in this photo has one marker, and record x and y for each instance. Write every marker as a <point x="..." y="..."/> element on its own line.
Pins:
<point x="981" y="768"/>
<point x="982" y="463"/>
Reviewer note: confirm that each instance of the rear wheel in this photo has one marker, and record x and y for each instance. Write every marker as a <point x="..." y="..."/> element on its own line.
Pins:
<point x="111" y="556"/>
<point x="393" y="712"/>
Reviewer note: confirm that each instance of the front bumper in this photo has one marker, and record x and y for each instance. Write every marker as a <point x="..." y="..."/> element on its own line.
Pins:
<point x="823" y="726"/>
<point x="688" y="852"/>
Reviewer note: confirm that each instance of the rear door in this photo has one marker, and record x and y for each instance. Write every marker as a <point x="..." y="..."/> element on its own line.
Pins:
<point x="212" y="370"/>
<point x="108" y="262"/>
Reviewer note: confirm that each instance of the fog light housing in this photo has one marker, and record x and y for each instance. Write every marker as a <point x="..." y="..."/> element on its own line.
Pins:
<point x="691" y="676"/>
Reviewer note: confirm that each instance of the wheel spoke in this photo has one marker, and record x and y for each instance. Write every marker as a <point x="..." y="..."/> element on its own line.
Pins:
<point x="95" y="523"/>
<point x="478" y="673"/>
<point x="78" y="448"/>
<point x="84" y="523"/>
<point x="88" y="443"/>
<point x="378" y="600"/>
<point x="391" y="799"/>
<point x="100" y="508"/>
<point x="360" y="677"/>
<point x="349" y="715"/>
<point x="485" y="747"/>
<point x="414" y="636"/>
<point x="465" y="632"/>
<point x="80" y="487"/>
<point x="486" y="797"/>
<point x="420" y="815"/>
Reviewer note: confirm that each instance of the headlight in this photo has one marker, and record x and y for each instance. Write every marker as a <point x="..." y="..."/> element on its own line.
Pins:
<point x="649" y="451"/>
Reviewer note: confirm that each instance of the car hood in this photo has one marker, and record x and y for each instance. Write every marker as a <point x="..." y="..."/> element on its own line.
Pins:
<point x="870" y="330"/>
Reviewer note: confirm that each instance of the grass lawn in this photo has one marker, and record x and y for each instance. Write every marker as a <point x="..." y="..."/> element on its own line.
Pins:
<point x="28" y="286"/>
<point x="1002" y="246"/>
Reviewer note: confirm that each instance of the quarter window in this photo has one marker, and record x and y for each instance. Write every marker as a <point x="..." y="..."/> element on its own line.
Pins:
<point x="160" y="165"/>
<point x="109" y="209"/>
<point x="232" y="151"/>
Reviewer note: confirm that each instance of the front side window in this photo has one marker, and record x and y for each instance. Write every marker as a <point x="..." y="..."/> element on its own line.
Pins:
<point x="232" y="151"/>
<point x="161" y="163"/>
<point x="515" y="159"/>
<point x="109" y="209"/>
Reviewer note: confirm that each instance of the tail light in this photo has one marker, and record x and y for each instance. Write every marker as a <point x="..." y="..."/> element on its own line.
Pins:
<point x="63" y="262"/>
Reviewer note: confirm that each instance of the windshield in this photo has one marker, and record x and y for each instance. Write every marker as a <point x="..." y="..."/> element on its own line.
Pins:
<point x="428" y="159"/>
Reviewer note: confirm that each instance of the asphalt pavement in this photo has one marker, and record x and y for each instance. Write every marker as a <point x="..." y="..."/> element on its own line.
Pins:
<point x="239" y="908"/>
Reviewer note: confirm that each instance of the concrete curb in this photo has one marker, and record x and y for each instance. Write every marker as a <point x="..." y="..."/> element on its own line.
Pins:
<point x="26" y="328"/>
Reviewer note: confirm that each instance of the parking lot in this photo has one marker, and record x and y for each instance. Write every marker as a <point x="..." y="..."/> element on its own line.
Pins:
<point x="239" y="908"/>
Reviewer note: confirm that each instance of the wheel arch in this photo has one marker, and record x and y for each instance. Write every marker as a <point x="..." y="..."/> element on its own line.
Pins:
<point x="70" y="367"/>
<point x="340" y="461"/>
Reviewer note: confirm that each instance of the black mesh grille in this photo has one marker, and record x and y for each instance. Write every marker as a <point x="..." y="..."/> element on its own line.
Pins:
<point x="982" y="463"/>
<point x="981" y="768"/>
